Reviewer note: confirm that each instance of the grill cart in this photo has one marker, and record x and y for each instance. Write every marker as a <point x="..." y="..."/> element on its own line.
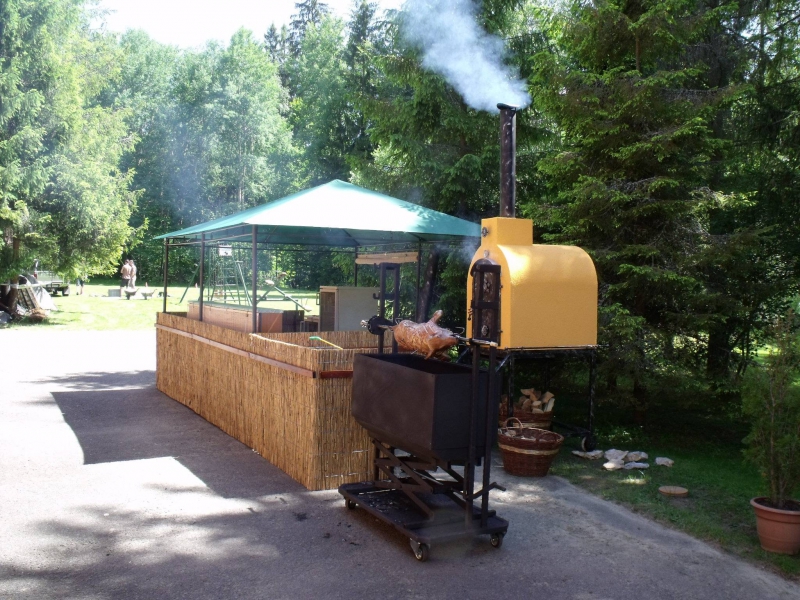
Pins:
<point x="429" y="422"/>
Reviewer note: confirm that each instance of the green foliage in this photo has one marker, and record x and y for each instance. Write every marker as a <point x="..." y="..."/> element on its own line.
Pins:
<point x="213" y="138"/>
<point x="231" y="138"/>
<point x="771" y="401"/>
<point x="632" y="179"/>
<point x="307" y="13"/>
<point x="276" y="43"/>
<point x="319" y="104"/>
<point x="63" y="198"/>
<point x="761" y="216"/>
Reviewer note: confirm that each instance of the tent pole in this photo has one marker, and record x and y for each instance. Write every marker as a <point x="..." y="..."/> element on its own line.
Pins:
<point x="355" y="269"/>
<point x="166" y="271"/>
<point x="395" y="303"/>
<point x="254" y="267"/>
<point x="202" y="279"/>
<point x="419" y="276"/>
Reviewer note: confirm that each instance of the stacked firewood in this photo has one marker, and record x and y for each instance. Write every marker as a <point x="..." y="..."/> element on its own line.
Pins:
<point x="534" y="401"/>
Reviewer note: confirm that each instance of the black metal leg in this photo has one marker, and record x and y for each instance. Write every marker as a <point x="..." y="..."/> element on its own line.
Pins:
<point x="491" y="423"/>
<point x="395" y="302"/>
<point x="546" y="376"/>
<point x="592" y="378"/>
<point x="166" y="273"/>
<point x="382" y="306"/>
<point x="376" y="455"/>
<point x="511" y="389"/>
<point x="469" y="468"/>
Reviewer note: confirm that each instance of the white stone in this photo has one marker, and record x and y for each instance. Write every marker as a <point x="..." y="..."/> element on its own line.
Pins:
<point x="636" y="456"/>
<point x="664" y="461"/>
<point x="613" y="465"/>
<point x="618" y="455"/>
<point x="593" y="455"/>
<point x="636" y="465"/>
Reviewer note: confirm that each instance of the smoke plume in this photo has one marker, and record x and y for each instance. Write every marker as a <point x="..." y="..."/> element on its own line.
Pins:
<point x="457" y="48"/>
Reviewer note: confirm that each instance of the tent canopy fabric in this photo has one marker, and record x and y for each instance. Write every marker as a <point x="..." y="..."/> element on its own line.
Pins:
<point x="334" y="214"/>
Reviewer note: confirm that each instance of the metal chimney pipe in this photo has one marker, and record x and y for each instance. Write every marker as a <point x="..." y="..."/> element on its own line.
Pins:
<point x="508" y="160"/>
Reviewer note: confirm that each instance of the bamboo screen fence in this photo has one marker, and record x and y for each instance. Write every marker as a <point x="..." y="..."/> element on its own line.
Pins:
<point x="283" y="395"/>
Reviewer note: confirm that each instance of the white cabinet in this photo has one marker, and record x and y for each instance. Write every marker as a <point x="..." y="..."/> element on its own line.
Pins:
<point x="343" y="308"/>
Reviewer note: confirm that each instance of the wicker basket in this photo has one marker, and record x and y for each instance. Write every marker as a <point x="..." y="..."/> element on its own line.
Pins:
<point x="527" y="451"/>
<point x="538" y="420"/>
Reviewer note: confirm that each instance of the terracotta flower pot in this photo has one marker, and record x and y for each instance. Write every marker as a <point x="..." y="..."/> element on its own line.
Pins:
<point x="778" y="530"/>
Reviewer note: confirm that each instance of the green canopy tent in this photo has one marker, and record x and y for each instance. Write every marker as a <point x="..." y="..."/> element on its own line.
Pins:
<point x="333" y="214"/>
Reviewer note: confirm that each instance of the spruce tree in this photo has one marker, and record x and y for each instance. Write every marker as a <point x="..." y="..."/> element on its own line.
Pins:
<point x="307" y="12"/>
<point x="760" y="273"/>
<point x="364" y="41"/>
<point x="276" y="43"/>
<point x="631" y="181"/>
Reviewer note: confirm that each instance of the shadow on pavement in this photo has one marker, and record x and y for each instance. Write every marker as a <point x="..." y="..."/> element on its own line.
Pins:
<point x="115" y="425"/>
<point x="104" y="380"/>
<point x="266" y="552"/>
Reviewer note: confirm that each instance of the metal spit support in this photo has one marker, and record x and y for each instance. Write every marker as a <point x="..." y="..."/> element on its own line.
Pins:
<point x="383" y="296"/>
<point x="485" y="311"/>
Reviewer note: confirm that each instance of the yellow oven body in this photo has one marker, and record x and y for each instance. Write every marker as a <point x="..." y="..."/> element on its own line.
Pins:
<point x="548" y="294"/>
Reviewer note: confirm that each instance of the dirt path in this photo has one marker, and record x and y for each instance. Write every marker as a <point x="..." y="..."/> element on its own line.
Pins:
<point x="109" y="489"/>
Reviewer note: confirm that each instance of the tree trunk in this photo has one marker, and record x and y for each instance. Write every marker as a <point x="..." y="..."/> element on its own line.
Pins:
<point x="426" y="294"/>
<point x="719" y="353"/>
<point x="11" y="300"/>
<point x="640" y="396"/>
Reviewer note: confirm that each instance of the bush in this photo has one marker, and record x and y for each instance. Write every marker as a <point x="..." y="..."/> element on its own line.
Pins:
<point x="771" y="400"/>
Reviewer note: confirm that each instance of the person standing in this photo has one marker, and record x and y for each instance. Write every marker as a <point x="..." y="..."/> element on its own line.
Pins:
<point x="133" y="274"/>
<point x="125" y="271"/>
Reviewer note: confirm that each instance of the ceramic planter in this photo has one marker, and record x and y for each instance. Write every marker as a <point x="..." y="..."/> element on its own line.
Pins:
<point x="778" y="530"/>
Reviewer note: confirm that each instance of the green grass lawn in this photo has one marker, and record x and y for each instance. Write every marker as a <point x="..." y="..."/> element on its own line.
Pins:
<point x="95" y="310"/>
<point x="720" y="487"/>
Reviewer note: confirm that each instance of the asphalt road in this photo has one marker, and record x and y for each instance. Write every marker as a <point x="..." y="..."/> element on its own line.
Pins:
<point x="109" y="489"/>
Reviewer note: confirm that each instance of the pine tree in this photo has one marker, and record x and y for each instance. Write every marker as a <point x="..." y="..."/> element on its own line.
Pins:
<point x="364" y="41"/>
<point x="276" y="44"/>
<point x="631" y="183"/>
<point x="308" y="12"/>
<point x="760" y="273"/>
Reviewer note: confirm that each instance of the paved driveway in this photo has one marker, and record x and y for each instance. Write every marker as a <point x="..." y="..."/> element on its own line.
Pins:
<point x="109" y="489"/>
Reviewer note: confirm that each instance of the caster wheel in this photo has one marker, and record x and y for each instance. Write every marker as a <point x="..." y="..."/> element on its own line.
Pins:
<point x="588" y="443"/>
<point x="497" y="539"/>
<point x="350" y="504"/>
<point x="421" y="551"/>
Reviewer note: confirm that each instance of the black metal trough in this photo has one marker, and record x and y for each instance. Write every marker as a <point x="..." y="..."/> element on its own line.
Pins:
<point x="417" y="405"/>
